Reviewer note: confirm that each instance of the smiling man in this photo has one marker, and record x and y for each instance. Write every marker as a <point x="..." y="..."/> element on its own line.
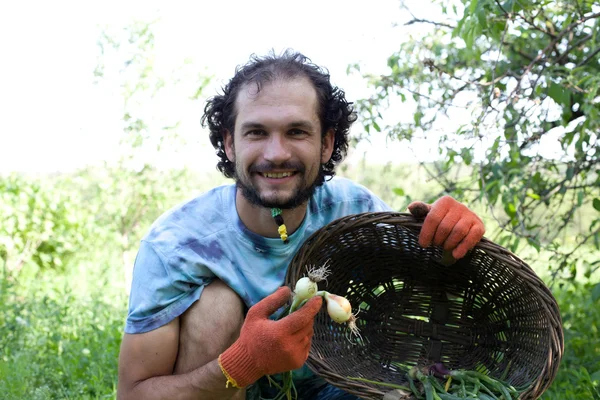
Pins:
<point x="208" y="274"/>
<point x="277" y="146"/>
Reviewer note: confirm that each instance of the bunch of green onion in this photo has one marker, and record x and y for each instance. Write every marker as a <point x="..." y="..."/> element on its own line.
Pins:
<point x="338" y="308"/>
<point x="436" y="382"/>
<point x="460" y="384"/>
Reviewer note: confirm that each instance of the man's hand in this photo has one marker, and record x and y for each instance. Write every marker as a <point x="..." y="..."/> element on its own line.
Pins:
<point x="267" y="347"/>
<point x="448" y="224"/>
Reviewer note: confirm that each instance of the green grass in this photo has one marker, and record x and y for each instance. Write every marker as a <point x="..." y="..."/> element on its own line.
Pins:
<point x="57" y="342"/>
<point x="579" y="373"/>
<point x="60" y="331"/>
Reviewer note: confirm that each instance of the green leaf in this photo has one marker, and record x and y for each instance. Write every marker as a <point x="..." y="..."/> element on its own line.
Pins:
<point x="558" y="93"/>
<point x="459" y="27"/>
<point x="377" y="128"/>
<point x="467" y="156"/>
<point x="497" y="30"/>
<point x="595" y="377"/>
<point x="473" y="6"/>
<point x="508" y="5"/>
<point x="596" y="292"/>
<point x="417" y="117"/>
<point x="570" y="172"/>
<point x="510" y="209"/>
<point x="469" y="36"/>
<point x="596" y="203"/>
<point x="515" y="244"/>
<point x="534" y="243"/>
<point x="398" y="191"/>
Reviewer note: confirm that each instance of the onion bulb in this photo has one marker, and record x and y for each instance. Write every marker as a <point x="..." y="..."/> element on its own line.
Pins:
<point x="338" y="308"/>
<point x="305" y="288"/>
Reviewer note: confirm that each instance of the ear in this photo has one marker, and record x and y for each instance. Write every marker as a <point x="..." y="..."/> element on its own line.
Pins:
<point x="328" y="142"/>
<point x="228" y="145"/>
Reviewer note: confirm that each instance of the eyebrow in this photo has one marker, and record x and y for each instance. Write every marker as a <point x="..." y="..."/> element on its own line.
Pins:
<point x="305" y="124"/>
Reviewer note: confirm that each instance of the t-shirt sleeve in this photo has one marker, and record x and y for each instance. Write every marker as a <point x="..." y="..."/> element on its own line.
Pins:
<point x="156" y="298"/>
<point x="375" y="203"/>
<point x="378" y="205"/>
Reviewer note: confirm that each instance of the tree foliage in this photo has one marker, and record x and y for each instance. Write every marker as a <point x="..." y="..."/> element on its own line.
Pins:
<point x="40" y="223"/>
<point x="49" y="220"/>
<point x="495" y="86"/>
<point x="135" y="190"/>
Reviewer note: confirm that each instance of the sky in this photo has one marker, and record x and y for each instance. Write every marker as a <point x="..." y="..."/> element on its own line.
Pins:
<point x="55" y="117"/>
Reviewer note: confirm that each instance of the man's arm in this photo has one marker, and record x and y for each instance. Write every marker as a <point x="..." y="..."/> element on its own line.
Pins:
<point x="146" y="364"/>
<point x="264" y="347"/>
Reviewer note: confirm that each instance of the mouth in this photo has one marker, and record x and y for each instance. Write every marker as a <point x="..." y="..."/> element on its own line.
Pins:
<point x="277" y="175"/>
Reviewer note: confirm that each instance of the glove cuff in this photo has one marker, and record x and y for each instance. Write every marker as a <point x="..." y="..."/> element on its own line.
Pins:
<point x="238" y="367"/>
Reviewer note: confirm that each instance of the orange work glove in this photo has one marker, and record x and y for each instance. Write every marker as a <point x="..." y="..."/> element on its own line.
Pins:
<point x="448" y="224"/>
<point x="267" y="347"/>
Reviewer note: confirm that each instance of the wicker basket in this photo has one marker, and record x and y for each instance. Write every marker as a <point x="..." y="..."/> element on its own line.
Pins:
<point x="488" y="311"/>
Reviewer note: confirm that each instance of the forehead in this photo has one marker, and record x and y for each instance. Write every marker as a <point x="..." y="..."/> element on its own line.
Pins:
<point x="281" y="99"/>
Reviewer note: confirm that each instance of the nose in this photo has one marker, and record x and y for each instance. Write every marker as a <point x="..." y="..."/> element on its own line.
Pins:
<point x="277" y="150"/>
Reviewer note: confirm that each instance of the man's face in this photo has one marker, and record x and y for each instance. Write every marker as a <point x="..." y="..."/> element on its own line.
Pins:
<point x="276" y="145"/>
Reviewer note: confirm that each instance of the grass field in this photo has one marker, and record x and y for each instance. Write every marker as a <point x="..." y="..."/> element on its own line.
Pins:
<point x="60" y="331"/>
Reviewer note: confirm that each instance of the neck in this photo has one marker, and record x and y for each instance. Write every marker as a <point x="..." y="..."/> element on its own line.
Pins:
<point x="260" y="221"/>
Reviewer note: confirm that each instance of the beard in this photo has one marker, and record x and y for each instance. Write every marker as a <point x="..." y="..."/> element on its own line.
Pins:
<point x="301" y="194"/>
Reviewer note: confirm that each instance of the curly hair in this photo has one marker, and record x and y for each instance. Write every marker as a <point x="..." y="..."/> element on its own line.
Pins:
<point x="334" y="111"/>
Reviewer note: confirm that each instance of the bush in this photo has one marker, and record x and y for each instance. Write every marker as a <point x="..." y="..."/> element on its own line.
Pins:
<point x="579" y="374"/>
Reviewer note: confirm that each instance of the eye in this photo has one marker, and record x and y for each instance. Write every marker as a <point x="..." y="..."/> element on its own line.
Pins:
<point x="256" y="132"/>
<point x="297" y="132"/>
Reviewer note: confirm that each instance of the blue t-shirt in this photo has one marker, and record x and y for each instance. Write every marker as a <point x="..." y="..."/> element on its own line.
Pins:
<point x="190" y="245"/>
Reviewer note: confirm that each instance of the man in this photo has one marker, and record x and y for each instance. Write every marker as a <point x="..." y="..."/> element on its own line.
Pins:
<point x="209" y="273"/>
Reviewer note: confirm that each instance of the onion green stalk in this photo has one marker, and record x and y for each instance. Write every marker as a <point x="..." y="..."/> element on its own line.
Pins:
<point x="338" y="308"/>
<point x="426" y="382"/>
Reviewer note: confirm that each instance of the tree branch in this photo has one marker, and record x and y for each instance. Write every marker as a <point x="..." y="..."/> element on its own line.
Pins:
<point x="531" y="22"/>
<point x="416" y="20"/>
<point x="390" y="82"/>
<point x="570" y="254"/>
<point x="519" y="51"/>
<point x="574" y="46"/>
<point x="556" y="39"/>
<point x="592" y="55"/>
<point x="426" y="21"/>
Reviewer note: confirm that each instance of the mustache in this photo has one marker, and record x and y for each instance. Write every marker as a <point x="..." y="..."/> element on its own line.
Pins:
<point x="270" y="166"/>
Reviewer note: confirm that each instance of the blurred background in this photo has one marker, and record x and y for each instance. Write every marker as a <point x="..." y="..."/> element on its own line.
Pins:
<point x="496" y="103"/>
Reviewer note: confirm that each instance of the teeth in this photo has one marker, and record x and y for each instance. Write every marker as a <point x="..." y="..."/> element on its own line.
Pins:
<point x="277" y="174"/>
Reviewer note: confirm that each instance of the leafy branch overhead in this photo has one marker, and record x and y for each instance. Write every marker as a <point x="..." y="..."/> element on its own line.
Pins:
<point x="509" y="91"/>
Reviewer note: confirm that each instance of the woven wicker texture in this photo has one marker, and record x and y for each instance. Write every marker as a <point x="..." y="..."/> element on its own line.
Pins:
<point x="486" y="312"/>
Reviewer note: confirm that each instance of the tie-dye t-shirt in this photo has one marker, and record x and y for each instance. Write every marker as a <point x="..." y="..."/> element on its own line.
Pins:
<point x="190" y="245"/>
